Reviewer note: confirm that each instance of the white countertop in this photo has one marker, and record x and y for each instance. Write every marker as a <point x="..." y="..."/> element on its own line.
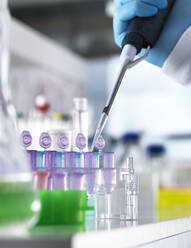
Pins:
<point x="132" y="235"/>
<point x="106" y="234"/>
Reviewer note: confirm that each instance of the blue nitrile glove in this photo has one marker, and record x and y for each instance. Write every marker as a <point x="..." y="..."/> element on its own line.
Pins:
<point x="178" y="21"/>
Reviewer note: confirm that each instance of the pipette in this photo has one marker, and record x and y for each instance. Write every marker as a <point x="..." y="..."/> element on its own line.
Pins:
<point x="141" y="33"/>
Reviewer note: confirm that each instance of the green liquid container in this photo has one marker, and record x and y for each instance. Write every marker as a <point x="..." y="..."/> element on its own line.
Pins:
<point x="17" y="199"/>
<point x="60" y="207"/>
<point x="17" y="204"/>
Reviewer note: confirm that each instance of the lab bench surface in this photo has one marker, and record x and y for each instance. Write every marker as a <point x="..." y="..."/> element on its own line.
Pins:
<point x="112" y="234"/>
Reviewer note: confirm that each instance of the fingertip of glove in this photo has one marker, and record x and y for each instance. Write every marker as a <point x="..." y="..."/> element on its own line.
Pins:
<point x="164" y="4"/>
<point x="119" y="39"/>
<point x="145" y="10"/>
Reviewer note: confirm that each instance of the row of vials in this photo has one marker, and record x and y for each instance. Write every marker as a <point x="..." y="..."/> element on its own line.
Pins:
<point x="113" y="192"/>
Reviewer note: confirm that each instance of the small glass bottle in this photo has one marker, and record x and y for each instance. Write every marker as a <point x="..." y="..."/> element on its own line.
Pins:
<point x="149" y="181"/>
<point x="156" y="163"/>
<point x="156" y="157"/>
<point x="129" y="147"/>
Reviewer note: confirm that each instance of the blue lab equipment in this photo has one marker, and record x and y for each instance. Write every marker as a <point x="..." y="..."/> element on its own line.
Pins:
<point x="179" y="20"/>
<point x="127" y="10"/>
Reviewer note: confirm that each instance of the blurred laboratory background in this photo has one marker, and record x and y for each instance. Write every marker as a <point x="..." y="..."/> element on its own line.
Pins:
<point x="64" y="49"/>
<point x="81" y="31"/>
<point x="63" y="66"/>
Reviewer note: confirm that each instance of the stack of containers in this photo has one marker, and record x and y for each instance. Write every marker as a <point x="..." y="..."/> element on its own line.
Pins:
<point x="71" y="182"/>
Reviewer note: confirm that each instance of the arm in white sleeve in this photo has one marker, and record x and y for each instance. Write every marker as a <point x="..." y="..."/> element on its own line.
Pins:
<point x="178" y="64"/>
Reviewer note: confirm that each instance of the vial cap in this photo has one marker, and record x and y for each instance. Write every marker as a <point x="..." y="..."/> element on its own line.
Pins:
<point x="81" y="141"/>
<point x="45" y="140"/>
<point x="26" y="138"/>
<point x="100" y="143"/>
<point x="156" y="150"/>
<point x="63" y="141"/>
<point x="131" y="138"/>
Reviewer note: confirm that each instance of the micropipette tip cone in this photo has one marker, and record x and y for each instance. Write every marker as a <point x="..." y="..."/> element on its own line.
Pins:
<point x="97" y="134"/>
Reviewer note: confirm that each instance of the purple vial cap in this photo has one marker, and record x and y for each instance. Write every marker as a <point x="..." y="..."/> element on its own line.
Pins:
<point x="26" y="138"/>
<point x="81" y="141"/>
<point x="89" y="160"/>
<point x="63" y="141"/>
<point x="100" y="143"/>
<point x="50" y="159"/>
<point x="45" y="140"/>
<point x="108" y="159"/>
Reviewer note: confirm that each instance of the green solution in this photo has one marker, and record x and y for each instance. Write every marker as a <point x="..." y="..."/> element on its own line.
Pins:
<point x="60" y="207"/>
<point x="16" y="200"/>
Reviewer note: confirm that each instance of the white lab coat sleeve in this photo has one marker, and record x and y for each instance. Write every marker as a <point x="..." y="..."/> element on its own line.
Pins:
<point x="178" y="64"/>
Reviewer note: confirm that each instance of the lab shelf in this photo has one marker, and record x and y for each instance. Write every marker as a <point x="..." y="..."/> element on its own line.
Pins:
<point x="112" y="234"/>
<point x="29" y="47"/>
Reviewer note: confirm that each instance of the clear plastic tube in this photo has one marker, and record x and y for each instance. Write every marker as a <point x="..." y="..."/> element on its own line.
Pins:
<point x="130" y="211"/>
<point x="80" y="120"/>
<point x="108" y="213"/>
<point x="100" y="204"/>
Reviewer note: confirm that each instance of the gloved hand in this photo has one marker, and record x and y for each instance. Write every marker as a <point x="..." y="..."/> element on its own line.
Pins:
<point x="178" y="21"/>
